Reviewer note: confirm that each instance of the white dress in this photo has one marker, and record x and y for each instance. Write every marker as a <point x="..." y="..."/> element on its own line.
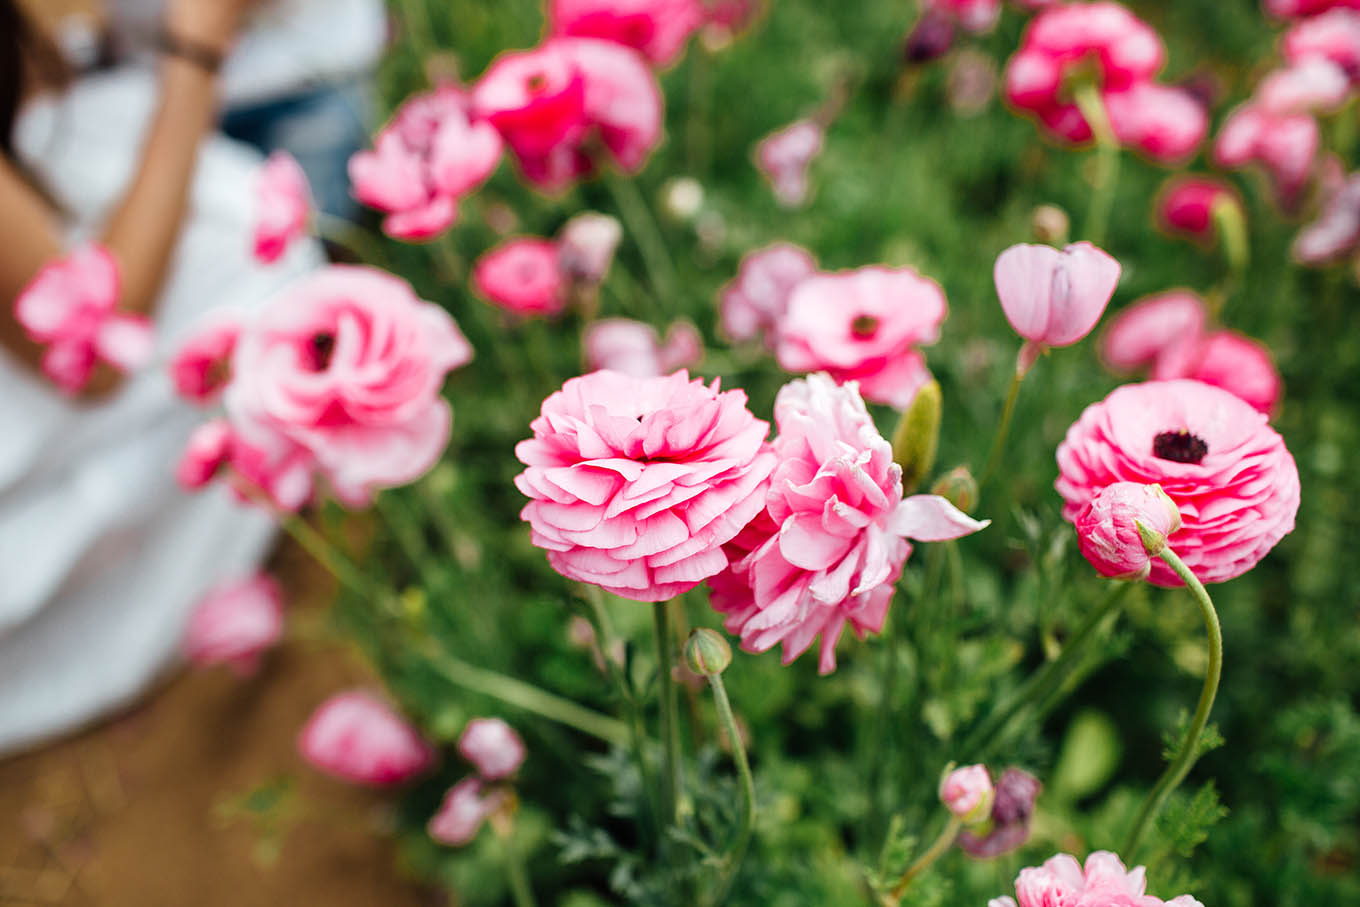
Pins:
<point x="102" y="556"/>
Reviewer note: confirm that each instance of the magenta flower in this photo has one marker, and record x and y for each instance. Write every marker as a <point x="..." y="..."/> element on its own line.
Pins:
<point x="1335" y="235"/>
<point x="1164" y="122"/>
<point x="359" y="737"/>
<point x="864" y="325"/>
<point x="522" y="276"/>
<point x="201" y="367"/>
<point x="1226" y="359"/>
<point x="1230" y="474"/>
<point x="492" y="746"/>
<point x="967" y="793"/>
<point x="658" y="29"/>
<point x="1332" y="36"/>
<point x="1108" y="533"/>
<point x="834" y="533"/>
<point x="1187" y="205"/>
<point x="465" y="807"/>
<point x="585" y="247"/>
<point x="1104" y="882"/>
<point x="635" y="484"/>
<point x="632" y="347"/>
<point x="283" y="206"/>
<point x="754" y="303"/>
<point x="1054" y="297"/>
<point x="235" y="623"/>
<point x="1146" y="331"/>
<point x="1285" y="145"/>
<point x="1287" y="9"/>
<point x="1017" y="791"/>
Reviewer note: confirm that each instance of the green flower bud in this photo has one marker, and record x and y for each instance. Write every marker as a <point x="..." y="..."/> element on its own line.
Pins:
<point x="958" y="487"/>
<point x="917" y="437"/>
<point x="707" y="653"/>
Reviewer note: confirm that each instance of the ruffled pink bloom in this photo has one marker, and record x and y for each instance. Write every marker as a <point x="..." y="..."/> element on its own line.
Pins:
<point x="632" y="347"/>
<point x="522" y="276"/>
<point x="832" y="540"/>
<point x="1229" y="360"/>
<point x="1229" y="472"/>
<point x="1285" y="145"/>
<point x="1054" y="297"/>
<point x="585" y="247"/>
<point x="658" y="29"/>
<point x="283" y="205"/>
<point x="1145" y="331"/>
<point x="1311" y="85"/>
<point x="1108" y="533"/>
<point x="465" y="807"/>
<point x="864" y="325"/>
<point x="347" y="365"/>
<point x="1164" y="122"/>
<point x="1335" y="235"/>
<point x="1017" y="791"/>
<point x="71" y="306"/>
<point x="1333" y="36"/>
<point x="967" y="793"/>
<point x="753" y="304"/>
<point x="277" y="469"/>
<point x="1287" y="9"/>
<point x="492" y="746"/>
<point x="976" y="16"/>
<point x="359" y="737"/>
<point x="201" y="367"/>
<point x="784" y="157"/>
<point x="1104" y="882"/>
<point x="235" y="623"/>
<point x="635" y="484"/>
<point x="1187" y="205"/>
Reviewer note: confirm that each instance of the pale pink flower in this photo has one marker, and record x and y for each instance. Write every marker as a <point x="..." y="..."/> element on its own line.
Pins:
<point x="1164" y="122"/>
<point x="585" y="247"/>
<point x="1229" y="360"/>
<point x="1143" y="332"/>
<point x="201" y="367"/>
<point x="1286" y="9"/>
<point x="492" y="746"/>
<point x="465" y="807"/>
<point x="1108" y="533"/>
<point x="754" y="302"/>
<point x="1334" y="36"/>
<point x="1285" y="145"/>
<point x="1017" y="791"/>
<point x="1230" y="474"/>
<point x="1312" y="85"/>
<point x="522" y="276"/>
<point x="658" y="29"/>
<point x="1335" y="235"/>
<point x="347" y="364"/>
<point x="632" y="347"/>
<point x="864" y="325"/>
<point x="1187" y="205"/>
<point x="235" y="623"/>
<point x="784" y="157"/>
<point x="1103" y="882"/>
<point x="283" y="206"/>
<point x="635" y="484"/>
<point x="1054" y="297"/>
<point x="359" y="737"/>
<point x="833" y="537"/>
<point x="277" y="469"/>
<point x="976" y="16"/>
<point x="968" y="793"/>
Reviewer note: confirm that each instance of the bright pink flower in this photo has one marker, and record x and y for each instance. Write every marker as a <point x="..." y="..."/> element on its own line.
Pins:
<point x="1187" y="204"/>
<point x="522" y="276"/>
<point x="1335" y="235"/>
<point x="464" y="808"/>
<point x="235" y="623"/>
<point x="632" y="347"/>
<point x="1228" y="360"/>
<point x="492" y="746"/>
<point x="359" y="737"/>
<point x="976" y="16"/>
<point x="1017" y="791"/>
<point x="754" y="303"/>
<point x="201" y="368"/>
<point x="347" y="364"/>
<point x="1311" y="85"/>
<point x="1285" y="145"/>
<point x="1054" y="297"/>
<point x="635" y="484"/>
<point x="864" y="325"/>
<point x="1104" y="882"/>
<point x="1107" y="529"/>
<point x="832" y="540"/>
<point x="1143" y="332"/>
<point x="586" y="246"/>
<point x="1333" y="36"/>
<point x="1286" y="9"/>
<point x="276" y="468"/>
<point x="71" y="306"/>
<point x="658" y="29"/>
<point x="283" y="205"/>
<point x="784" y="157"/>
<point x="1228" y="471"/>
<point x="967" y="793"/>
<point x="1164" y="122"/>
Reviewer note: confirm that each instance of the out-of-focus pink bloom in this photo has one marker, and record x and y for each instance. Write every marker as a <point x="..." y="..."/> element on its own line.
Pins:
<point x="359" y="737"/>
<point x="535" y="98"/>
<point x="753" y="304"/>
<point x="976" y="16"/>
<point x="632" y="347"/>
<point x="1333" y="36"/>
<point x="1187" y="204"/>
<point x="465" y="807"/>
<point x="71" y="306"/>
<point x="1143" y="332"/>
<point x="522" y="276"/>
<point x="1164" y="122"/>
<point x="1230" y="474"/>
<point x="201" y="367"/>
<point x="1336" y="233"/>
<point x="658" y="29"/>
<point x="1054" y="297"/>
<point x="971" y="82"/>
<point x="833" y="537"/>
<point x="968" y="793"/>
<point x="784" y="157"/>
<point x="1311" y="85"/>
<point x="283" y="204"/>
<point x="235" y="623"/>
<point x="1108" y="533"/>
<point x="1229" y="360"/>
<point x="1104" y="882"/>
<point x="930" y="39"/>
<point x="586" y="246"/>
<point x="208" y="451"/>
<point x="864" y="325"/>
<point x="492" y="746"/>
<point x="1285" y="145"/>
<point x="635" y="484"/>
<point x="280" y="471"/>
<point x="1016" y="793"/>
<point x="347" y="364"/>
<point x="1288" y="9"/>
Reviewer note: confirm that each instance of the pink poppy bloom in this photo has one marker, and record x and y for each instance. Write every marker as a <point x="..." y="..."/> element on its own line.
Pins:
<point x="754" y="303"/>
<point x="1230" y="474"/>
<point x="586" y="246"/>
<point x="1143" y="332"/>
<point x="201" y="367"/>
<point x="1228" y="360"/>
<point x="522" y="276"/>
<point x="1335" y="235"/>
<point x="833" y="537"/>
<point x="235" y="623"/>
<point x="1054" y="297"/>
<point x="492" y="746"/>
<point x="658" y="29"/>
<point x="1017" y="791"/>
<point x="71" y="306"/>
<point x="1288" y="9"/>
<point x="784" y="157"/>
<point x="1285" y="145"/>
<point x="976" y="16"/>
<point x="1164" y="122"/>
<point x="282" y="472"/>
<point x="1187" y="205"/>
<point x="359" y="737"/>
<point x="432" y="152"/>
<point x="1311" y="85"/>
<point x="347" y="365"/>
<point x="864" y="325"/>
<point x="1103" y="881"/>
<point x="1333" y="36"/>
<point x="1108" y="533"/>
<point x="283" y="205"/>
<point x="465" y="807"/>
<point x="632" y="347"/>
<point x="968" y="793"/>
<point x="635" y="484"/>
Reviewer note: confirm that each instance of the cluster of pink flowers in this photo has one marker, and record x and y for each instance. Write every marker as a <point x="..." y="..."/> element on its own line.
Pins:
<point x="1103" y="881"/>
<point x="496" y="752"/>
<point x="235" y="623"/>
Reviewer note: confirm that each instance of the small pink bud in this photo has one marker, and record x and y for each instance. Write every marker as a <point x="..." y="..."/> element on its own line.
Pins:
<point x="1124" y="526"/>
<point x="359" y="737"/>
<point x="492" y="746"/>
<point x="235" y="623"/>
<point x="1055" y="297"/>
<point x="586" y="245"/>
<point x="968" y="793"/>
<point x="463" y="811"/>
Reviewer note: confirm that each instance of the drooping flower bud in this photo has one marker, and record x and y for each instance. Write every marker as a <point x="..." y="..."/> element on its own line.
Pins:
<point x="968" y="793"/>
<point x="917" y="437"/>
<point x="707" y="653"/>
<point x="1050" y="224"/>
<point x="1125" y="526"/>
<point x="958" y="487"/>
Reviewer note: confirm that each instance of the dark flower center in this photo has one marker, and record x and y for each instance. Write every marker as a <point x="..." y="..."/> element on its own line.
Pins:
<point x="1179" y="447"/>
<point x="320" y="347"/>
<point x="864" y="326"/>
<point x="536" y="83"/>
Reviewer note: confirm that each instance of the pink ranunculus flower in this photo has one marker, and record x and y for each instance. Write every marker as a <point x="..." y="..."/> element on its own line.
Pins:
<point x="71" y="307"/>
<point x="201" y="367"/>
<point x="283" y="206"/>
<point x="277" y="469"/>
<point x="784" y="157"/>
<point x="635" y="484"/>
<point x="1313" y="85"/>
<point x="492" y="746"/>
<point x="1143" y="333"/>
<point x="1335" y="235"/>
<point x="1164" y="122"/>
<point x="1229" y="472"/>
<point x="1289" y="9"/>
<point x="235" y="623"/>
<point x="968" y="793"/>
<point x="522" y="276"/>
<point x="1054" y="297"/>
<point x="1187" y="205"/>
<point x="1103" y="882"/>
<point x="1333" y="36"/>
<point x="1285" y="145"/>
<point x="1017" y="791"/>
<point x="632" y="347"/>
<point x="658" y="29"/>
<point x="1229" y="360"/>
<point x="585" y="247"/>
<point x="833" y="537"/>
<point x="1108" y="533"/>
<point x="754" y="303"/>
<point x="347" y="365"/>
<point x="359" y="737"/>
<point x="864" y="325"/>
<point x="465" y="807"/>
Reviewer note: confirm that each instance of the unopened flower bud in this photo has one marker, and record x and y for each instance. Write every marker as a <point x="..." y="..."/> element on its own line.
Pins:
<point x="1008" y="826"/>
<point x="958" y="487"/>
<point x="1124" y="527"/>
<point x="968" y="793"/>
<point x="682" y="198"/>
<point x="585" y="247"/>
<point x="917" y="437"/>
<point x="929" y="40"/>
<point x="707" y="653"/>
<point x="1050" y="224"/>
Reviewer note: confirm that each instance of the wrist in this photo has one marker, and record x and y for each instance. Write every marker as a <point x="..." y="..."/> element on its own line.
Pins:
<point x="180" y="45"/>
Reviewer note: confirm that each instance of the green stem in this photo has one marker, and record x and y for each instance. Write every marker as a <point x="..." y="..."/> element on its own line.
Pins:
<point x="323" y="552"/>
<point x="416" y="17"/>
<point x="937" y="850"/>
<point x="1189" y="750"/>
<point x="747" y="820"/>
<point x="670" y="738"/>
<point x="409" y="538"/>
<point x="1003" y="428"/>
<point x="1107" y="162"/>
<point x="647" y="235"/>
<point x="516" y="873"/>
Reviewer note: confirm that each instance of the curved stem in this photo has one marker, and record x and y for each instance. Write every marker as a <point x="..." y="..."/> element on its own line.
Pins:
<point x="937" y="850"/>
<point x="746" y="826"/>
<point x="647" y="235"/>
<point x="1002" y="429"/>
<point x="516" y="873"/>
<point x="1092" y="107"/>
<point x="1189" y="750"/>
<point x="670" y="739"/>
